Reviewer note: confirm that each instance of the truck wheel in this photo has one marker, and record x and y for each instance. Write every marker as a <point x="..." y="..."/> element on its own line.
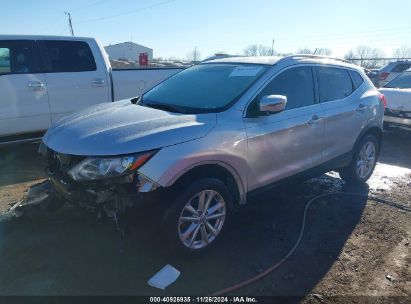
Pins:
<point x="198" y="217"/>
<point x="363" y="162"/>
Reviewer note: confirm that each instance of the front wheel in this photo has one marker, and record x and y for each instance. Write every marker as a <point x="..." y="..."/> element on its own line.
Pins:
<point x="198" y="216"/>
<point x="363" y="163"/>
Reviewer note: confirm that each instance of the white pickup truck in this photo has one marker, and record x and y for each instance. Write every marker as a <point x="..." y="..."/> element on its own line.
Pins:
<point x="43" y="78"/>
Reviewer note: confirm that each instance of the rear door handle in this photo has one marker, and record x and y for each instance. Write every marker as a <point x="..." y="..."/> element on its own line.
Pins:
<point x="36" y="85"/>
<point x="98" y="82"/>
<point x="361" y="108"/>
<point x="314" y="120"/>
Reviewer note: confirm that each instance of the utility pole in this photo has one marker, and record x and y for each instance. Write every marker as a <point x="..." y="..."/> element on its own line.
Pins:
<point x="70" y="23"/>
<point x="272" y="48"/>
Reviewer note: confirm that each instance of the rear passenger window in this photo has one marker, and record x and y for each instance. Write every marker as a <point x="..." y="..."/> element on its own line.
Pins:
<point x="356" y="79"/>
<point x="334" y="83"/>
<point x="70" y="56"/>
<point x="296" y="84"/>
<point x="16" y="57"/>
<point x="399" y="68"/>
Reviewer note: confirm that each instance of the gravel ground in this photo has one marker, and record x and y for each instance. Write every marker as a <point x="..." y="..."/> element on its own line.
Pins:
<point x="353" y="249"/>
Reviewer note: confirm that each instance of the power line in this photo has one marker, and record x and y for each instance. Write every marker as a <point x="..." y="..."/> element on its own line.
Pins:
<point x="88" y="5"/>
<point x="130" y="12"/>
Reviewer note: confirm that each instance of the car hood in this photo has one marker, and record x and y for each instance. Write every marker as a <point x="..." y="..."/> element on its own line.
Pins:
<point x="124" y="128"/>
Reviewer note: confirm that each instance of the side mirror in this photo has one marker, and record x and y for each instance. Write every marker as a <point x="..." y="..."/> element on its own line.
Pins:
<point x="273" y="103"/>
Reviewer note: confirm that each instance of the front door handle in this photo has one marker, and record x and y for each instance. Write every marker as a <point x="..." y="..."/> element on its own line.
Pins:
<point x="361" y="108"/>
<point x="98" y="82"/>
<point x="314" y="120"/>
<point x="36" y="85"/>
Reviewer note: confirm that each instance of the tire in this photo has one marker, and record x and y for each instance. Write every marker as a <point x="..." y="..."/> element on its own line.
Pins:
<point x="362" y="166"/>
<point x="180" y="233"/>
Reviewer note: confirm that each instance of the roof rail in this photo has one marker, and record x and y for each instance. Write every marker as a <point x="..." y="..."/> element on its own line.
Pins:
<point x="311" y="56"/>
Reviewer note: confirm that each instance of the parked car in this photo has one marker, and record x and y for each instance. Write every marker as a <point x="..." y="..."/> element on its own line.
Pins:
<point x="398" y="94"/>
<point x="372" y="75"/>
<point x="392" y="70"/>
<point x="208" y="137"/>
<point x="43" y="78"/>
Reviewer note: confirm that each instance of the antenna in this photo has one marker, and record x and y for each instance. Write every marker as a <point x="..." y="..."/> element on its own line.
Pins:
<point x="70" y="23"/>
<point x="272" y="48"/>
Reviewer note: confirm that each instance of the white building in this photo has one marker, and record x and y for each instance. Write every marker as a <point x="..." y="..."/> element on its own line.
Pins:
<point x="128" y="50"/>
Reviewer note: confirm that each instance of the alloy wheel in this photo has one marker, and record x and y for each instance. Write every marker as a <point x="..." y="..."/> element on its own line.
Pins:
<point x="202" y="219"/>
<point x="366" y="159"/>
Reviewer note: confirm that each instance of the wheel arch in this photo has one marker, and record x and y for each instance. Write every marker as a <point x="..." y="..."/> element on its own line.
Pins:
<point x="220" y="170"/>
<point x="371" y="130"/>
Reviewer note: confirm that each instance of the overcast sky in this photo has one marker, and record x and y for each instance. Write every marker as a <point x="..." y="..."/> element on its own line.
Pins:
<point x="175" y="27"/>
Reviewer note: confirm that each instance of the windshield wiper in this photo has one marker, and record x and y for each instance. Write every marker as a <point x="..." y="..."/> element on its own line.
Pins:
<point x="166" y="107"/>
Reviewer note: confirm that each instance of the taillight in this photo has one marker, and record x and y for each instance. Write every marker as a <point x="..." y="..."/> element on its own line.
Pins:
<point x="384" y="75"/>
<point x="383" y="100"/>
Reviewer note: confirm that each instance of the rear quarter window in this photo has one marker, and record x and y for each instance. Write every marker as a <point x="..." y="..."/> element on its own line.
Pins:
<point x="356" y="79"/>
<point x="69" y="56"/>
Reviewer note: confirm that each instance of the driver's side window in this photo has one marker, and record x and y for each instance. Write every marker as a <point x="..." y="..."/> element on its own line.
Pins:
<point x="297" y="84"/>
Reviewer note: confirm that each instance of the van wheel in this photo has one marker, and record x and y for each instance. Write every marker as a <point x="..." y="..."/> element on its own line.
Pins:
<point x="363" y="162"/>
<point x="198" y="217"/>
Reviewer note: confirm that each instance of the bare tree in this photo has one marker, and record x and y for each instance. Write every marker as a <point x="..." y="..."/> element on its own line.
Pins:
<point x="251" y="50"/>
<point x="258" y="50"/>
<point x="403" y="51"/>
<point x="317" y="51"/>
<point x="264" y="50"/>
<point x="365" y="56"/>
<point x="304" y="51"/>
<point x="323" y="51"/>
<point x="194" y="55"/>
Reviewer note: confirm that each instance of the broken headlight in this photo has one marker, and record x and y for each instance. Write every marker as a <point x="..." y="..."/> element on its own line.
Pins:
<point x="95" y="168"/>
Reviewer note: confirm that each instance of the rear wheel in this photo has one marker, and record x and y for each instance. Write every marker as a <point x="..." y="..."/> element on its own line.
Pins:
<point x="198" y="216"/>
<point x="363" y="163"/>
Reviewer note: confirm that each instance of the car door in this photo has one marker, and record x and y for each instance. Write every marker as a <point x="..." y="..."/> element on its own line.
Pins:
<point x="74" y="79"/>
<point x="345" y="113"/>
<point x="286" y="143"/>
<point x="23" y="93"/>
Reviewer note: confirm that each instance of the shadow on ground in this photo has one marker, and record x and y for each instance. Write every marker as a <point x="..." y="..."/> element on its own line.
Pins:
<point x="396" y="148"/>
<point x="65" y="254"/>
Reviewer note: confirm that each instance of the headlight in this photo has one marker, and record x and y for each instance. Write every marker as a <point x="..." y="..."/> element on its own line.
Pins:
<point x="94" y="168"/>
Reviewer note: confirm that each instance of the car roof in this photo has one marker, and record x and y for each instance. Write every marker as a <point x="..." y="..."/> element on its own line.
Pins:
<point x="272" y="60"/>
<point x="42" y="37"/>
<point x="268" y="60"/>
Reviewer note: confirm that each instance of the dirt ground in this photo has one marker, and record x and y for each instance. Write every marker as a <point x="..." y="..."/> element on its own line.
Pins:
<point x="353" y="249"/>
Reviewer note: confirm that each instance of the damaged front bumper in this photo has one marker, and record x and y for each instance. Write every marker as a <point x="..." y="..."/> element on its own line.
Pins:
<point x="112" y="196"/>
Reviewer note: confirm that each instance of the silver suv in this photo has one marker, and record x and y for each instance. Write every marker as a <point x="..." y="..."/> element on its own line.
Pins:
<point x="201" y="141"/>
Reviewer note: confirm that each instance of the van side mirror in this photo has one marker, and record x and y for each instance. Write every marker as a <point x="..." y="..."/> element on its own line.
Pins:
<point x="273" y="104"/>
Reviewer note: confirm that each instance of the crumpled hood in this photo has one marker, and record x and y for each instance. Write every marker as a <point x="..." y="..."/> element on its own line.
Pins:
<point x="124" y="128"/>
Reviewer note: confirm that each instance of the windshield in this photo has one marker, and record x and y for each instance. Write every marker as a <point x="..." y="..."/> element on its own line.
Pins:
<point x="402" y="82"/>
<point x="204" y="88"/>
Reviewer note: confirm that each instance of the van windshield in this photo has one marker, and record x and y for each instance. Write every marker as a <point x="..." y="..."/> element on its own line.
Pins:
<point x="204" y="88"/>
